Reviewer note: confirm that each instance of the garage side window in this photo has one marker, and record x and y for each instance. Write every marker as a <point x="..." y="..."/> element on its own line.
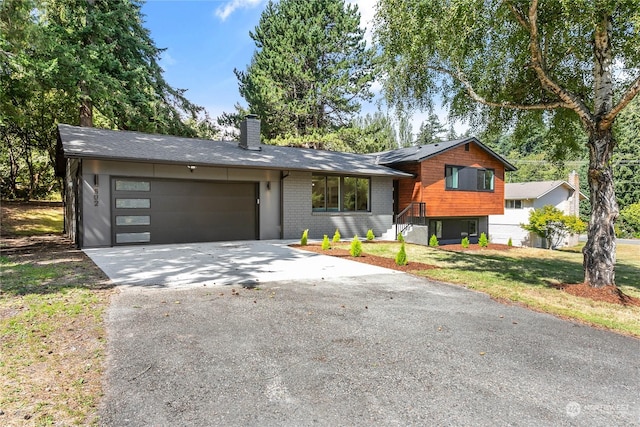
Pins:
<point x="331" y="193"/>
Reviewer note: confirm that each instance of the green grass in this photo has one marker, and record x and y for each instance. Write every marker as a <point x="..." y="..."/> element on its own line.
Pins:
<point x="526" y="276"/>
<point x="35" y="220"/>
<point x="51" y="341"/>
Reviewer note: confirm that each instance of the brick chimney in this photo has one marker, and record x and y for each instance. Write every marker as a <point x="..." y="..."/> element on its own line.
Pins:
<point x="250" y="133"/>
<point x="574" y="181"/>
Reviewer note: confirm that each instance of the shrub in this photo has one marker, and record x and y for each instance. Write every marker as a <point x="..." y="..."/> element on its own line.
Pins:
<point x="370" y="235"/>
<point x="465" y="242"/>
<point x="356" y="247"/>
<point x="305" y="236"/>
<point x="433" y="241"/>
<point x="336" y="236"/>
<point x="401" y="257"/>
<point x="325" y="243"/>
<point x="629" y="221"/>
<point x="509" y="242"/>
<point x="551" y="224"/>
<point x="400" y="238"/>
<point x="483" y="241"/>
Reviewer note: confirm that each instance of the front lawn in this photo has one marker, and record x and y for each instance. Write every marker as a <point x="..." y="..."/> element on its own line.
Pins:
<point x="527" y="276"/>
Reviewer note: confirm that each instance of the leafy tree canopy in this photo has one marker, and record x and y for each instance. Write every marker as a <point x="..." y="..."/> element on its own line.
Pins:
<point x="568" y="64"/>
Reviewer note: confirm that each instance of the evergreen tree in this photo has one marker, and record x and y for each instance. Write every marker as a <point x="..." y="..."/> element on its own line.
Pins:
<point x="310" y="69"/>
<point x="431" y="131"/>
<point x="88" y="62"/>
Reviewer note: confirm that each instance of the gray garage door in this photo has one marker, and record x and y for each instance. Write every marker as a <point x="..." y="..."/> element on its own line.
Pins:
<point x="169" y="211"/>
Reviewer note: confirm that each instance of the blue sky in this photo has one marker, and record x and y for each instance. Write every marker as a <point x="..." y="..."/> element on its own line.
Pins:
<point x="207" y="39"/>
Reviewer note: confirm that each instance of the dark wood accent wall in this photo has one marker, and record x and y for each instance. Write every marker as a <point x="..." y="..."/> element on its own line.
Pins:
<point x="429" y="186"/>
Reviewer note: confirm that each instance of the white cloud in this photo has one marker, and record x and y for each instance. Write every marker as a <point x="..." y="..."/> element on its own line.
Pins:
<point x="166" y="59"/>
<point x="224" y="11"/>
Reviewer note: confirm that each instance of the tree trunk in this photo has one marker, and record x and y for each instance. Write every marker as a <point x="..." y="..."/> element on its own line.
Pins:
<point x="600" y="250"/>
<point x="86" y="106"/>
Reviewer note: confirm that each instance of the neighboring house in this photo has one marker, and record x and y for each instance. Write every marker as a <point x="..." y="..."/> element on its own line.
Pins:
<point x="522" y="198"/>
<point x="134" y="188"/>
<point x="456" y="186"/>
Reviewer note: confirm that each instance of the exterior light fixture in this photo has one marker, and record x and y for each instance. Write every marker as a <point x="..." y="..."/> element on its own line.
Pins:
<point x="191" y="168"/>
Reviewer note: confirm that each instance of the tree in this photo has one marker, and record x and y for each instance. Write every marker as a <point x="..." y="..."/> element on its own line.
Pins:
<point x="626" y="161"/>
<point x="310" y="69"/>
<point x="405" y="131"/>
<point x="79" y="62"/>
<point x="503" y="61"/>
<point x="431" y="131"/>
<point x="552" y="225"/>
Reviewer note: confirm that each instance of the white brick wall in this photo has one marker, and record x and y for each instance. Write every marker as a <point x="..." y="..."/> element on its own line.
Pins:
<point x="298" y="215"/>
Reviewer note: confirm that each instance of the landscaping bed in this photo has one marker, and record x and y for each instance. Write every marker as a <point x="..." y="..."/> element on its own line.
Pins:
<point x="609" y="294"/>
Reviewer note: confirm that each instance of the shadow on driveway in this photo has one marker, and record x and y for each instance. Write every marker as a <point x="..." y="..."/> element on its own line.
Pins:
<point x="220" y="263"/>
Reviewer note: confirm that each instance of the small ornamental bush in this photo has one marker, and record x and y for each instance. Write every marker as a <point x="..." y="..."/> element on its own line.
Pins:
<point x="305" y="236"/>
<point x="433" y="241"/>
<point x="401" y="257"/>
<point x="325" y="243"/>
<point x="483" y="242"/>
<point x="370" y="235"/>
<point x="356" y="247"/>
<point x="465" y="242"/>
<point x="509" y="242"/>
<point x="400" y="238"/>
<point x="336" y="236"/>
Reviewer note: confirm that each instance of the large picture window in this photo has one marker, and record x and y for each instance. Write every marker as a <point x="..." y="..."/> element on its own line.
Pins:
<point x="331" y="193"/>
<point x="468" y="178"/>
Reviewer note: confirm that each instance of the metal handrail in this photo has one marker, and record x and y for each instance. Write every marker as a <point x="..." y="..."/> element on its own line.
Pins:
<point x="408" y="216"/>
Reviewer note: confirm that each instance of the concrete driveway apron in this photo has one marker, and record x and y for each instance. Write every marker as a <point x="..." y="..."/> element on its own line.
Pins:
<point x="219" y="263"/>
<point x="354" y="348"/>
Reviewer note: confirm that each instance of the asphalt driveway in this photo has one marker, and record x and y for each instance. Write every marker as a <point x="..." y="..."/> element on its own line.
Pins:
<point x="368" y="349"/>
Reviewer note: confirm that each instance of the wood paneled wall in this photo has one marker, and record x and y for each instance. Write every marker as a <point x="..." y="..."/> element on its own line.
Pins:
<point x="429" y="185"/>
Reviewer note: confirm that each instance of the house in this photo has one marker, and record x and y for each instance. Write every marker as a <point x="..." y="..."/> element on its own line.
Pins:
<point x="456" y="185"/>
<point x="126" y="188"/>
<point x="522" y="198"/>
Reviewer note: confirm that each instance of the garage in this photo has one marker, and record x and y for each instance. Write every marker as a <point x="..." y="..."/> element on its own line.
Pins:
<point x="157" y="211"/>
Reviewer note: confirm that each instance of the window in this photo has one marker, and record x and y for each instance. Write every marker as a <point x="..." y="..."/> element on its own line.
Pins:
<point x="513" y="204"/>
<point x="469" y="228"/>
<point x="485" y="179"/>
<point x="451" y="176"/>
<point x="124" y="185"/>
<point x="468" y="178"/>
<point x="330" y="193"/>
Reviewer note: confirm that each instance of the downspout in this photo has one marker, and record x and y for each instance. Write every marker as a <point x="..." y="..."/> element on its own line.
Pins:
<point x="283" y="175"/>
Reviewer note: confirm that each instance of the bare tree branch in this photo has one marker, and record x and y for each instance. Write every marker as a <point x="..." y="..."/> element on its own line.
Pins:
<point x="459" y="76"/>
<point x="522" y="20"/>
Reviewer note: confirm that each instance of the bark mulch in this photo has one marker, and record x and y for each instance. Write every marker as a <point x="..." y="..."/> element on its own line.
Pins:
<point x="609" y="294"/>
<point x="366" y="258"/>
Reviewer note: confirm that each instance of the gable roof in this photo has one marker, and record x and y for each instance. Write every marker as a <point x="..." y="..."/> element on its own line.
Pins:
<point x="105" y="144"/>
<point x="534" y="189"/>
<point x="422" y="152"/>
